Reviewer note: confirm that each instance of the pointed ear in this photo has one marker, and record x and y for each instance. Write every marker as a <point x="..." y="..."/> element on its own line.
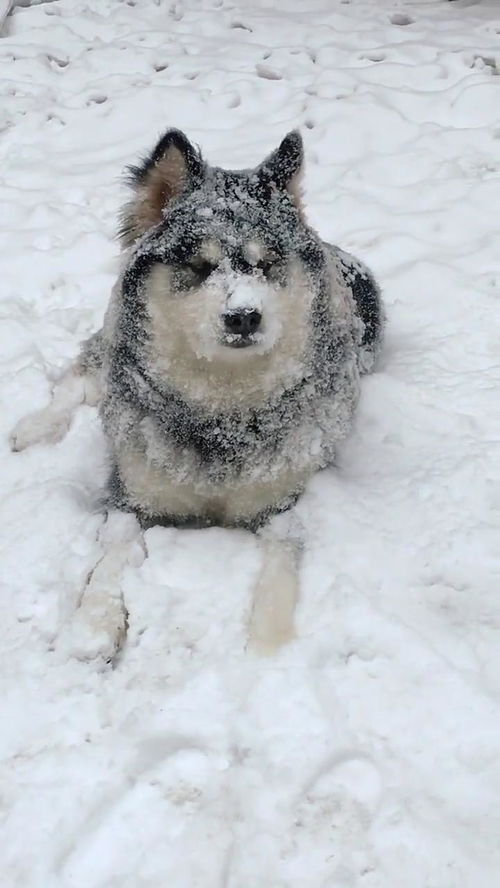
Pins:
<point x="283" y="168"/>
<point x="173" y="166"/>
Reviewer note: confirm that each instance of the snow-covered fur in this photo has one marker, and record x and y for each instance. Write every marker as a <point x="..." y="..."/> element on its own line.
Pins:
<point x="231" y="351"/>
<point x="233" y="342"/>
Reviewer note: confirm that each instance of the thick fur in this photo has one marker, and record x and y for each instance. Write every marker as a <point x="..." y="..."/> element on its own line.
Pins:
<point x="200" y="430"/>
<point x="226" y="371"/>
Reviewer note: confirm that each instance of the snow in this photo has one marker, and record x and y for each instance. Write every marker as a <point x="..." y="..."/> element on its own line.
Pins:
<point x="365" y="753"/>
<point x="246" y="294"/>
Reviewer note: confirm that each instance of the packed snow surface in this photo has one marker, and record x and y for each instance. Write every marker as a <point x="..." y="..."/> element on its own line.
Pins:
<point x="365" y="753"/>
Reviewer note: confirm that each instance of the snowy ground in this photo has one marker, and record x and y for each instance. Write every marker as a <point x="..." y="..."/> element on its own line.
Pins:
<point x="366" y="752"/>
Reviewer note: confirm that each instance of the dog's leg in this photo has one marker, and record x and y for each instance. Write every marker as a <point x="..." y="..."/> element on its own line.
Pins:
<point x="277" y="588"/>
<point x="79" y="385"/>
<point x="51" y="423"/>
<point x="98" y="629"/>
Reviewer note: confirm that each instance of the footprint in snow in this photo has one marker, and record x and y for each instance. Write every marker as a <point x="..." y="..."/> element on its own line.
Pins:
<point x="240" y="26"/>
<point x="268" y="73"/>
<point x="332" y="816"/>
<point x="234" y="101"/>
<point x="400" y="18"/>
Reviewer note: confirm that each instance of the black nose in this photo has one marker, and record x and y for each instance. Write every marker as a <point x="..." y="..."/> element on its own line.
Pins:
<point x="243" y="322"/>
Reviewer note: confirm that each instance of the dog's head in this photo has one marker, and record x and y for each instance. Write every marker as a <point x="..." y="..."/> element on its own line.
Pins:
<point x="230" y="261"/>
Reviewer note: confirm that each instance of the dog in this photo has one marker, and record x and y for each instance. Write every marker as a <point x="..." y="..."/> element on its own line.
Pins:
<point x="228" y="365"/>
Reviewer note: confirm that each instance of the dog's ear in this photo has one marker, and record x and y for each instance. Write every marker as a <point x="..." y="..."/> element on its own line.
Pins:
<point x="173" y="166"/>
<point x="283" y="168"/>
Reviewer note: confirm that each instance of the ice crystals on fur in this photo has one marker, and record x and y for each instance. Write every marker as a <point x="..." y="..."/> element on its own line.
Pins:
<point x="200" y="429"/>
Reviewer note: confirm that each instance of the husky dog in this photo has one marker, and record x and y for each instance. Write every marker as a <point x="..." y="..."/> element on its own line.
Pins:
<point x="228" y="365"/>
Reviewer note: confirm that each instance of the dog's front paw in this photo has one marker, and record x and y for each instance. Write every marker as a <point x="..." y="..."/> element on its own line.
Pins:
<point x="43" y="427"/>
<point x="274" y="599"/>
<point x="98" y="629"/>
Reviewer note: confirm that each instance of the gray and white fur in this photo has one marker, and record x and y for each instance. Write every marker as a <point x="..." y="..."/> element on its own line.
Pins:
<point x="209" y="421"/>
<point x="228" y="366"/>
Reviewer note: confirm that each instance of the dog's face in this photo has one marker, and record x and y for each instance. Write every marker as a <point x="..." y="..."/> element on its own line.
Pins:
<point x="227" y="284"/>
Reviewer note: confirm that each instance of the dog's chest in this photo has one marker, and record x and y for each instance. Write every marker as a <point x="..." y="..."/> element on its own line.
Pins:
<point x="224" y="443"/>
<point x="226" y="473"/>
<point x="179" y="460"/>
<point x="295" y="430"/>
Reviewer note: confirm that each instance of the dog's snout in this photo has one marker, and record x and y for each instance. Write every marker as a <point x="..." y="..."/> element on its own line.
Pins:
<point x="242" y="323"/>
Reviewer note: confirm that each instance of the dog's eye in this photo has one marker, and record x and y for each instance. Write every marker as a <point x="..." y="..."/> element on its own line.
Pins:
<point x="265" y="267"/>
<point x="201" y="269"/>
<point x="268" y="266"/>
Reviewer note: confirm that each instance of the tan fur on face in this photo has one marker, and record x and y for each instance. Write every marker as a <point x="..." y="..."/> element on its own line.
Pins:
<point x="184" y="352"/>
<point x="253" y="252"/>
<point x="161" y="184"/>
<point x="210" y="251"/>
